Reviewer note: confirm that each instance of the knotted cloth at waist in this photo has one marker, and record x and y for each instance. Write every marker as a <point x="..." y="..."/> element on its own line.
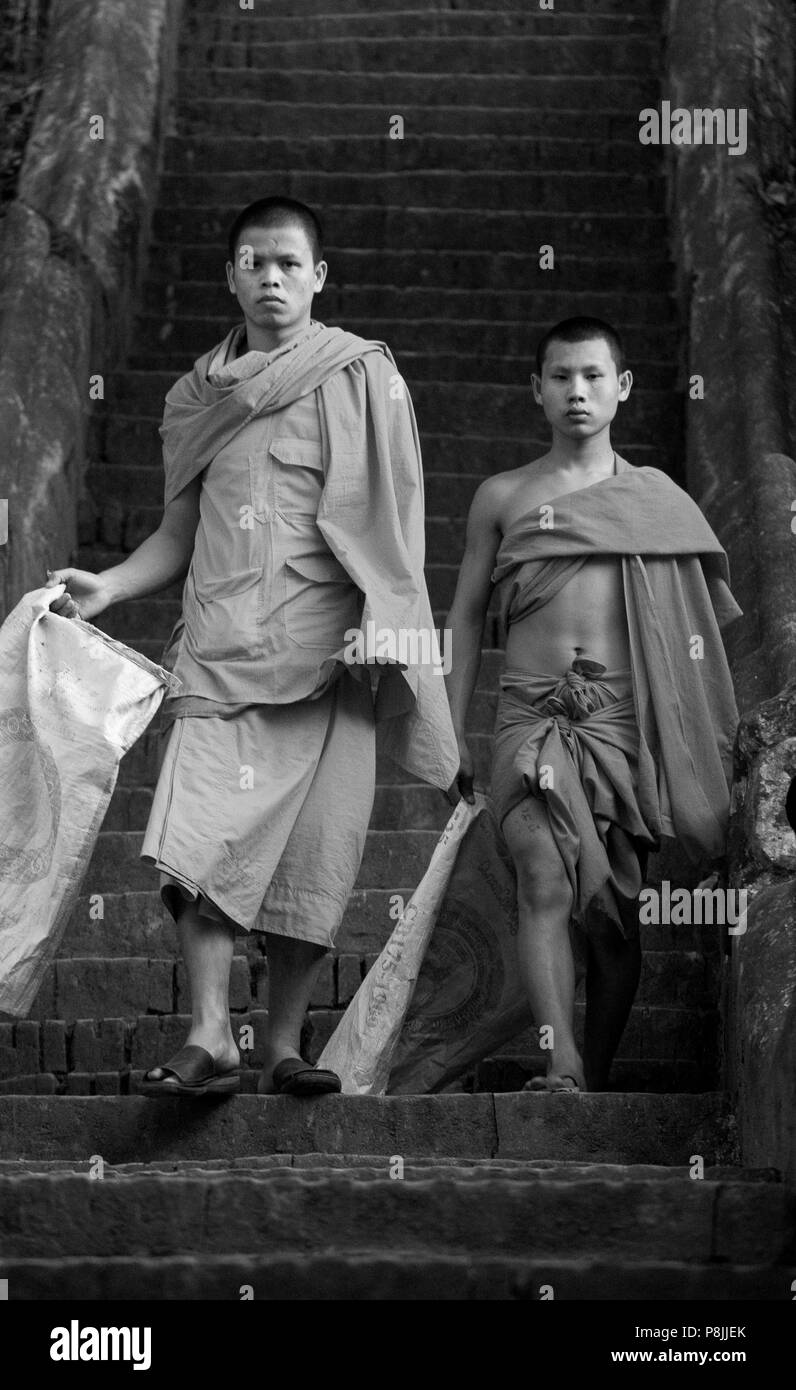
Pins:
<point x="573" y="741"/>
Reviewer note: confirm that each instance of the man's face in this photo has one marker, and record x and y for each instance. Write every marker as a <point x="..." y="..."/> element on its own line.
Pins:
<point x="580" y="388"/>
<point x="274" y="280"/>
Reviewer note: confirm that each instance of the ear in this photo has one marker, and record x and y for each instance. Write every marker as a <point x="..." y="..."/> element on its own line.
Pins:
<point x="536" y="387"/>
<point x="625" y="383"/>
<point x="231" y="277"/>
<point x="320" y="276"/>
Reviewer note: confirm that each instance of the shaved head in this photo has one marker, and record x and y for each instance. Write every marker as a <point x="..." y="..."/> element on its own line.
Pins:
<point x="278" y="212"/>
<point x="582" y="330"/>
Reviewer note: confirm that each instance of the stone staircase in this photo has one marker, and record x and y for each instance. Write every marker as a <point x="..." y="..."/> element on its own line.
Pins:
<point x="520" y="131"/>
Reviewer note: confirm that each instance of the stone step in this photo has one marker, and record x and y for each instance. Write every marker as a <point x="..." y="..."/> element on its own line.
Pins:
<point x="184" y="154"/>
<point x="630" y="1075"/>
<point x="640" y="192"/>
<point x="240" y="88"/>
<point x="601" y="1128"/>
<point x="550" y="112"/>
<point x="251" y="30"/>
<point x="304" y="1211"/>
<point x="653" y="1034"/>
<point x="572" y="234"/>
<point x="383" y="1276"/>
<point x="211" y="300"/>
<point x="501" y="1074"/>
<point x="506" y="268"/>
<point x="394" y="54"/>
<point x="206" y="11"/>
<point x="116" y="994"/>
<point x="369" y="1166"/>
<point x="104" y="983"/>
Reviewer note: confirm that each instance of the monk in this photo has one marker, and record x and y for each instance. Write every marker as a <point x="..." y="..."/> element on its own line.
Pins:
<point x="294" y="501"/>
<point x="616" y="715"/>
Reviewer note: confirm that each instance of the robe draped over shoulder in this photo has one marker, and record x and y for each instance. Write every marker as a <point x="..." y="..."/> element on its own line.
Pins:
<point x="677" y="597"/>
<point x="371" y="511"/>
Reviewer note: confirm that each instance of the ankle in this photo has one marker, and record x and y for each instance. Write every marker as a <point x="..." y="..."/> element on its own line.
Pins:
<point x="275" y="1048"/>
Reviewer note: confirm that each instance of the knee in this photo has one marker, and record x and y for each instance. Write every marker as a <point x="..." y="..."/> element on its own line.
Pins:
<point x="543" y="888"/>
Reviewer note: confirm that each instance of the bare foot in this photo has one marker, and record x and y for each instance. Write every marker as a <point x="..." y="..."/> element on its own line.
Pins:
<point x="564" y="1073"/>
<point x="556" y="1081"/>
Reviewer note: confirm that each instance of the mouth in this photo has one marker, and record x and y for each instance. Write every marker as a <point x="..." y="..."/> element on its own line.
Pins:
<point x="270" y="299"/>
<point x="578" y="415"/>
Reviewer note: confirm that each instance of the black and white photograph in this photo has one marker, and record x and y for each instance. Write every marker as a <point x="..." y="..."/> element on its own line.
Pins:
<point x="398" y="668"/>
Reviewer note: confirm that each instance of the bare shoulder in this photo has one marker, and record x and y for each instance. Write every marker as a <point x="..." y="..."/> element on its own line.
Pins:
<point x="489" y="502"/>
<point x="518" y="489"/>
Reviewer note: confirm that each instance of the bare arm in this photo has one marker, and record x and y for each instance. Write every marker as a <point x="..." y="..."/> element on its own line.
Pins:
<point x="468" y="613"/>
<point x="159" y="560"/>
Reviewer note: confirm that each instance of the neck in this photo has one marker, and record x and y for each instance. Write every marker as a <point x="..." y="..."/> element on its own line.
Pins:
<point x="595" y="455"/>
<point x="269" y="339"/>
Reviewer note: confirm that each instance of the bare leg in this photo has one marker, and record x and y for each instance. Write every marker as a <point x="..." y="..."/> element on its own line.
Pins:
<point x="292" y="971"/>
<point x="207" y="948"/>
<point x="614" y="966"/>
<point x="543" y="942"/>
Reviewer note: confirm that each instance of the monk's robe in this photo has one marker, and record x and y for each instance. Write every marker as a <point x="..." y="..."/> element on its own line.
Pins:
<point x="311" y="526"/>
<point x="622" y="758"/>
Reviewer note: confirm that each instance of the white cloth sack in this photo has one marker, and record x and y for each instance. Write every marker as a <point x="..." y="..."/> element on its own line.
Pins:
<point x="72" y="702"/>
<point x="361" y="1048"/>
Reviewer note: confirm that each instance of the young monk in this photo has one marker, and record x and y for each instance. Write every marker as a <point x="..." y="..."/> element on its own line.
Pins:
<point x="616" y="713"/>
<point x="294" y="500"/>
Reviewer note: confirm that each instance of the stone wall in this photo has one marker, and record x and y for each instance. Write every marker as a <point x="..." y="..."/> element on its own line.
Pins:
<point x="72" y="246"/>
<point x="733" y="221"/>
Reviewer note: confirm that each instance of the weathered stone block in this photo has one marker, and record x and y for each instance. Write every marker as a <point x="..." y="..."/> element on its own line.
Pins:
<point x="26" y="1044"/>
<point x="79" y="1083"/>
<point x="113" y="988"/>
<point x="107" y="1083"/>
<point x="8" y="1056"/>
<point x="754" y="1223"/>
<point x="53" y="1045"/>
<point x="145" y="1043"/>
<point x="610" y="1128"/>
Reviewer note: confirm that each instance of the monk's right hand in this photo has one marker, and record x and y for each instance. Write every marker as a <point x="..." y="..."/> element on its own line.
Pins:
<point x="462" y="788"/>
<point x="85" y="594"/>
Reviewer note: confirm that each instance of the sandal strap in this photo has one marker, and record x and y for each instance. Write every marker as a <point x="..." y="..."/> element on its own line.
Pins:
<point x="191" y="1065"/>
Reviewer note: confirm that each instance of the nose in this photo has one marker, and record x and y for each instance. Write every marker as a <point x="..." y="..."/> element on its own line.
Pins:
<point x="576" y="390"/>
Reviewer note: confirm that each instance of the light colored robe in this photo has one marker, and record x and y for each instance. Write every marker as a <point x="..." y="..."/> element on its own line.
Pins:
<point x="371" y="509"/>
